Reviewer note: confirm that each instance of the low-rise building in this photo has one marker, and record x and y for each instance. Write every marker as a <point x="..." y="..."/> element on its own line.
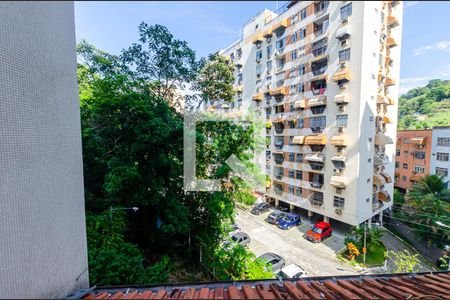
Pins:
<point x="440" y="163"/>
<point x="412" y="157"/>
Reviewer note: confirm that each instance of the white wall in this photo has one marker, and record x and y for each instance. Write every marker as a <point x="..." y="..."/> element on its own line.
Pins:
<point x="43" y="250"/>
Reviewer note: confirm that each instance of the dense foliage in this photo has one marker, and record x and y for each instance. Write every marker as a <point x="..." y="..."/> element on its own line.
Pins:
<point x="132" y="130"/>
<point x="427" y="205"/>
<point x="424" y="107"/>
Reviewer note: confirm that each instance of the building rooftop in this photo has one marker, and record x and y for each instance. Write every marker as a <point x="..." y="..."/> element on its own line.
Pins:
<point x="394" y="286"/>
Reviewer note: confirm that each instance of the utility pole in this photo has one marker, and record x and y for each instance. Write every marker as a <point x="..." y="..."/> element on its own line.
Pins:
<point x="365" y="235"/>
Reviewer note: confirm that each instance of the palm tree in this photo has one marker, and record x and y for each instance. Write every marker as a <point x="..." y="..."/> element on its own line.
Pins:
<point x="430" y="184"/>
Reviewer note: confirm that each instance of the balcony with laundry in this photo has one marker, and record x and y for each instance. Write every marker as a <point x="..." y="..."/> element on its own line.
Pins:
<point x="318" y="86"/>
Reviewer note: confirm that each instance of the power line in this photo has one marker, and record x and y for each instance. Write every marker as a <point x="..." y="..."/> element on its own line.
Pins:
<point x="419" y="213"/>
<point x="438" y="227"/>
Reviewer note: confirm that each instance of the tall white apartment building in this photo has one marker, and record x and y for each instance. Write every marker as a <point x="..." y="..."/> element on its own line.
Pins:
<point x="325" y="74"/>
<point x="440" y="152"/>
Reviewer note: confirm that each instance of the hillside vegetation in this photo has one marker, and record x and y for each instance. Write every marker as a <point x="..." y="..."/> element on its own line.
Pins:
<point x="425" y="107"/>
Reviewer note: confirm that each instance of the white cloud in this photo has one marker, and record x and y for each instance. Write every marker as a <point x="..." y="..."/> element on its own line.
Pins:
<point x="410" y="3"/>
<point x="408" y="83"/>
<point x="442" y="46"/>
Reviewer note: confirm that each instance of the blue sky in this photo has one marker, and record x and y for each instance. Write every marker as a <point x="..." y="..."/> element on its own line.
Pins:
<point x="208" y="26"/>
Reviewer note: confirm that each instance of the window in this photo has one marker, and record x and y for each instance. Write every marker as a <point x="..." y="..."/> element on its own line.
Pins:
<point x="291" y="173"/>
<point x="442" y="156"/>
<point x="269" y="51"/>
<point x="303" y="14"/>
<point x="259" y="54"/>
<point x="269" y="67"/>
<point x="405" y="166"/>
<point x="301" y="123"/>
<point x="291" y="189"/>
<point x="346" y="11"/>
<point x="344" y="55"/>
<point x="292" y="123"/>
<point x="294" y="54"/>
<point x="293" y="37"/>
<point x="405" y="153"/>
<point x="442" y="171"/>
<point x="294" y="19"/>
<point x="419" y="154"/>
<point x="279" y="44"/>
<point x="291" y="156"/>
<point x="405" y="141"/>
<point x="338" y="201"/>
<point x="443" y="141"/>
<point x="341" y="120"/>
<point x="291" y="140"/>
<point x="301" y="87"/>
<point x="397" y="152"/>
<point x="397" y="164"/>
<point x="317" y="124"/>
<point x="299" y="159"/>
<point x="404" y="178"/>
<point x="380" y="59"/>
<point x="258" y="70"/>
<point x="301" y="70"/>
<point x="302" y="33"/>
<point x="298" y="191"/>
<point x="419" y="169"/>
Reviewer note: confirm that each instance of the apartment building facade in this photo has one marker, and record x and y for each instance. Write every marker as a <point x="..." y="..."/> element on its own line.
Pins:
<point x="412" y="157"/>
<point x="325" y="75"/>
<point x="440" y="163"/>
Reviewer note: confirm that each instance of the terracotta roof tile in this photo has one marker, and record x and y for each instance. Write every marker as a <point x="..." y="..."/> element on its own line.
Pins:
<point x="423" y="285"/>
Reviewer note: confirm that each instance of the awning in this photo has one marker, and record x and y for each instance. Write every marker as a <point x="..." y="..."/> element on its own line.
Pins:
<point x="317" y="58"/>
<point x="339" y="140"/>
<point x="342" y="75"/>
<point x="278" y="91"/>
<point x="280" y="25"/>
<point x="391" y="21"/>
<point x="341" y="98"/>
<point x="278" y="120"/>
<point x="278" y="153"/>
<point x="321" y="100"/>
<point x="298" y="140"/>
<point x="418" y="140"/>
<point x="386" y="177"/>
<point x="387" y="60"/>
<point x="258" y="97"/>
<point x="389" y="81"/>
<point x="268" y="33"/>
<point x="300" y="104"/>
<point x="381" y="139"/>
<point x="384" y="196"/>
<point x="390" y="42"/>
<point x="387" y="120"/>
<point x="258" y="39"/>
<point x="319" y="77"/>
<point x="415" y="178"/>
<point x="315" y="157"/>
<point x="316" y="140"/>
<point x="338" y="181"/>
<point x="378" y="179"/>
<point x="341" y="158"/>
<point x="343" y="33"/>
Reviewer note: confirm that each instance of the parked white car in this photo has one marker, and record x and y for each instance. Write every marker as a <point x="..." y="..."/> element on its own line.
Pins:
<point x="292" y="271"/>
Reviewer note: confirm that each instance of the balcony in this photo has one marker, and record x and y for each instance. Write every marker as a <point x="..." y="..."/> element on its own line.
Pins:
<point x="316" y="199"/>
<point x="280" y="26"/>
<point x="258" y="39"/>
<point x="378" y="180"/>
<point x="300" y="104"/>
<point x="343" y="33"/>
<point x="316" y="184"/>
<point x="318" y="101"/>
<point x="279" y="128"/>
<point x="340" y="99"/>
<point x="389" y="81"/>
<point x="278" y="157"/>
<point x="386" y="176"/>
<point x="385" y="100"/>
<point x="315" y="157"/>
<point x="319" y="67"/>
<point x="278" y="91"/>
<point x="384" y="196"/>
<point x="279" y="144"/>
<point x="319" y="47"/>
<point x="320" y="8"/>
<point x="316" y="140"/>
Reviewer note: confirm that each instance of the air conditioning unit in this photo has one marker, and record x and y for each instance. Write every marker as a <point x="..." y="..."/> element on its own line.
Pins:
<point x="345" y="20"/>
<point x="258" y="60"/>
<point x="269" y="71"/>
<point x="258" y="45"/>
<point x="343" y="64"/>
<point x="340" y="129"/>
<point x="342" y="85"/>
<point x="338" y="211"/>
<point x="337" y="171"/>
<point x="341" y="108"/>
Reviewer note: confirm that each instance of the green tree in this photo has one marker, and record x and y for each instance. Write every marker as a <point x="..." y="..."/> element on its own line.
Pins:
<point x="426" y="204"/>
<point x="404" y="261"/>
<point x="373" y="237"/>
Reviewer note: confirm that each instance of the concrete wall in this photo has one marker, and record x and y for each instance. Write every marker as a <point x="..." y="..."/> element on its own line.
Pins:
<point x="43" y="250"/>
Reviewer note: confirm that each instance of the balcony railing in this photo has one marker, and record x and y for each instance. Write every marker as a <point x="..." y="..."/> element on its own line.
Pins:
<point x="320" y="51"/>
<point x="316" y="184"/>
<point x="278" y="192"/>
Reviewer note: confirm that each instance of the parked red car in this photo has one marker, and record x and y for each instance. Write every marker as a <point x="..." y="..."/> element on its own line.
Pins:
<point x="319" y="232"/>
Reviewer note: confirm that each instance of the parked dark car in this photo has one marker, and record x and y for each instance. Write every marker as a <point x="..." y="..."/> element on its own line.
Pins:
<point x="283" y="208"/>
<point x="289" y="221"/>
<point x="275" y="216"/>
<point x="276" y="261"/>
<point x="260" y="208"/>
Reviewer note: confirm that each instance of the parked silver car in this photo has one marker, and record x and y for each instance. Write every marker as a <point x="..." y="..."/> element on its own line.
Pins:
<point x="275" y="260"/>
<point x="239" y="237"/>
